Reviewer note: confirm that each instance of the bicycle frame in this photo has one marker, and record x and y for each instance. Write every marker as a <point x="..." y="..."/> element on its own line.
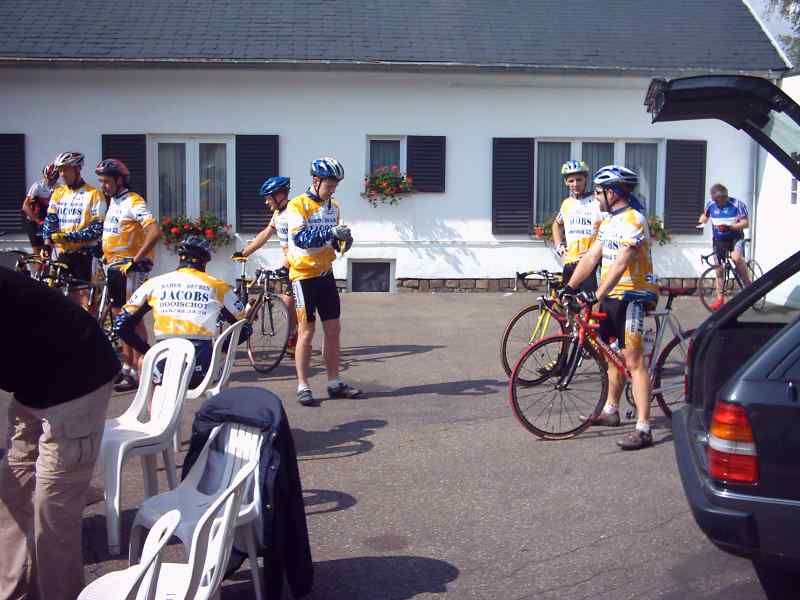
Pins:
<point x="549" y="307"/>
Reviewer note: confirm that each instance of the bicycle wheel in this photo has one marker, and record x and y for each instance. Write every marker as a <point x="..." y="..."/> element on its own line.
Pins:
<point x="669" y="372"/>
<point x="550" y="408"/>
<point x="527" y="326"/>
<point x="706" y="287"/>
<point x="267" y="345"/>
<point x="754" y="270"/>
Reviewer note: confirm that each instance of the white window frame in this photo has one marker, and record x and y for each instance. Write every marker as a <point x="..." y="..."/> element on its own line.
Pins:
<point x="192" y="143"/>
<point x="619" y="158"/>
<point x="389" y="138"/>
<point x="793" y="191"/>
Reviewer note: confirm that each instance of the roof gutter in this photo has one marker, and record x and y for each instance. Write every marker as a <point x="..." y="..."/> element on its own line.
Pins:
<point x="355" y="65"/>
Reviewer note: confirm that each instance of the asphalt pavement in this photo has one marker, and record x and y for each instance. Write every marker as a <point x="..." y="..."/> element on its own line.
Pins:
<point x="427" y="487"/>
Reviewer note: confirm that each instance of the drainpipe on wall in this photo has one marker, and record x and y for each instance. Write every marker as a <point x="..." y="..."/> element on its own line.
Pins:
<point x="755" y="189"/>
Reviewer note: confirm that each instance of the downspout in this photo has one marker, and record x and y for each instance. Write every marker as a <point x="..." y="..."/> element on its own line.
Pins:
<point x="755" y="188"/>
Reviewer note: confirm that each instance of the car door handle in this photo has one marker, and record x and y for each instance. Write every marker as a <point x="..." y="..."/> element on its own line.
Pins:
<point x="791" y="391"/>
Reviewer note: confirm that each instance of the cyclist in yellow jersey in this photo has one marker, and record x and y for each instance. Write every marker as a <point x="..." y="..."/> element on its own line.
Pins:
<point x="130" y="233"/>
<point x="627" y="289"/>
<point x="275" y="192"/>
<point x="580" y="218"/>
<point x="186" y="303"/>
<point x="315" y="229"/>
<point x="74" y="221"/>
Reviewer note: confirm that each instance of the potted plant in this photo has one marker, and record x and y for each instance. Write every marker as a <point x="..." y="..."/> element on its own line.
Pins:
<point x="208" y="226"/>
<point x="386" y="185"/>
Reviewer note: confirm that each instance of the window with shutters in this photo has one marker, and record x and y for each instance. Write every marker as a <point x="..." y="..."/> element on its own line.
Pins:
<point x="684" y="192"/>
<point x="422" y="157"/>
<point x="194" y="175"/>
<point x="12" y="183"/>
<point x="512" y="185"/>
<point x="132" y="150"/>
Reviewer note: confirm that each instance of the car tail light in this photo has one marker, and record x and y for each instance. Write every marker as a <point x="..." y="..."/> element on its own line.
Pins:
<point x="732" y="452"/>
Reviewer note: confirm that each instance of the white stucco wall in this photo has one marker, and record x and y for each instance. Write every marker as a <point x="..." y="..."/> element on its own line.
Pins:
<point x="776" y="229"/>
<point x="428" y="235"/>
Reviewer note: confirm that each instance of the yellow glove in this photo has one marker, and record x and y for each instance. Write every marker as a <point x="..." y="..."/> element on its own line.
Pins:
<point x="58" y="237"/>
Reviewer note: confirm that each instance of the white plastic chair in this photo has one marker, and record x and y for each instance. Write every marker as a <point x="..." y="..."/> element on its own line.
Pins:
<point x="201" y="577"/>
<point x="229" y="446"/>
<point x="139" y="581"/>
<point x="216" y="379"/>
<point x="130" y="435"/>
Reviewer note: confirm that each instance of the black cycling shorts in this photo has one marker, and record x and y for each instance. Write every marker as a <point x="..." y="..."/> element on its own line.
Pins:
<point x="724" y="246"/>
<point x="79" y="263"/>
<point x="587" y="285"/>
<point x="121" y="286"/>
<point x="316" y="295"/>
<point x="203" y="351"/>
<point x="625" y="322"/>
<point x="34" y="231"/>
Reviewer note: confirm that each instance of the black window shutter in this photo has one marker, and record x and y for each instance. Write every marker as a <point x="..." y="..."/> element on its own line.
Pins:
<point x="256" y="160"/>
<point x="425" y="162"/>
<point x="512" y="185"/>
<point x="12" y="180"/>
<point x="132" y="150"/>
<point x="684" y="193"/>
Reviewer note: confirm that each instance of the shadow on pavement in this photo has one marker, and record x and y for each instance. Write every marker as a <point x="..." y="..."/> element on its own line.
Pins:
<point x="365" y="578"/>
<point x="95" y="541"/>
<point x="469" y="387"/>
<point x="327" y="501"/>
<point x="340" y="442"/>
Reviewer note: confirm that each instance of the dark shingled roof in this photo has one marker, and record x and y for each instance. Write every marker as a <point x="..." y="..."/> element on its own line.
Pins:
<point x="637" y="35"/>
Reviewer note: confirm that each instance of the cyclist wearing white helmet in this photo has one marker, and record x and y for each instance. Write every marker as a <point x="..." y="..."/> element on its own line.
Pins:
<point x="580" y="217"/>
<point x="627" y="288"/>
<point x="315" y="230"/>
<point x="34" y="206"/>
<point x="74" y="221"/>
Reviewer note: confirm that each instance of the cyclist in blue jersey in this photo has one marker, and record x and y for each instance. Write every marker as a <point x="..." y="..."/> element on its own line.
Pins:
<point x="729" y="218"/>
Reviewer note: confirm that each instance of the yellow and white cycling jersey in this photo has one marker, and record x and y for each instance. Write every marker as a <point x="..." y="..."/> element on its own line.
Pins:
<point x="76" y="210"/>
<point x="628" y="227"/>
<point x="280" y="223"/>
<point x="581" y="218"/>
<point x="308" y="219"/>
<point x="185" y="303"/>
<point x="123" y="230"/>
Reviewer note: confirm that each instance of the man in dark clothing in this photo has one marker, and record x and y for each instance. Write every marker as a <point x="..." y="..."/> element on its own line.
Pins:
<point x="55" y="426"/>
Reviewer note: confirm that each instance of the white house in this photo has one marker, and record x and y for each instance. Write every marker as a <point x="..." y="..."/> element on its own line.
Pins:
<point x="480" y="102"/>
<point x="776" y="230"/>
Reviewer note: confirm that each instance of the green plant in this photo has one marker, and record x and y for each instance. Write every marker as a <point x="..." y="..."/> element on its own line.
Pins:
<point x="544" y="230"/>
<point x="207" y="226"/>
<point x="658" y="231"/>
<point x="386" y="185"/>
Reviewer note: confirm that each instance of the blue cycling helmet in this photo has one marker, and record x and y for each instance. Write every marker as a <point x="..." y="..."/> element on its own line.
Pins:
<point x="327" y="167"/>
<point x="274" y="184"/>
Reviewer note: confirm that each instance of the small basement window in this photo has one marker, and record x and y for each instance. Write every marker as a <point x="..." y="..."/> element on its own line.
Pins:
<point x="371" y="276"/>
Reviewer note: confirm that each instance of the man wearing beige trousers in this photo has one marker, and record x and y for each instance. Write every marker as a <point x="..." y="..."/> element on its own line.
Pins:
<point x="58" y="365"/>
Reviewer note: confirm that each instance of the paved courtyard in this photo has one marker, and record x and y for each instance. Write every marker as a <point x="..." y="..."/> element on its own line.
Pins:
<point x="427" y="487"/>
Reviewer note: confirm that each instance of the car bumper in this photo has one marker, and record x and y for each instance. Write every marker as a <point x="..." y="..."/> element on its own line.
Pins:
<point x="755" y="527"/>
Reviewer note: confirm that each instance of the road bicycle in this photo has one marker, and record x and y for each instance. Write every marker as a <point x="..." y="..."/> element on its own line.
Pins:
<point x="560" y="383"/>
<point x="541" y="319"/>
<point x="732" y="282"/>
<point x="268" y="314"/>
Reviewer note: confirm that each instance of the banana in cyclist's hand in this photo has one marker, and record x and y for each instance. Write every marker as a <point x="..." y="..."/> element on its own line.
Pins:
<point x="58" y="237"/>
<point x="342" y="234"/>
<point x="238" y="257"/>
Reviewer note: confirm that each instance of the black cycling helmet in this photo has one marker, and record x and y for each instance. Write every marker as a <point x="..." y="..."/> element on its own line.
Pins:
<point x="194" y="250"/>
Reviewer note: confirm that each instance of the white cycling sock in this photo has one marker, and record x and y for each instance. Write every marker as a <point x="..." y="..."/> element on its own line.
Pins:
<point x="303" y="386"/>
<point x="609" y="409"/>
<point x="334" y="382"/>
<point x="643" y="427"/>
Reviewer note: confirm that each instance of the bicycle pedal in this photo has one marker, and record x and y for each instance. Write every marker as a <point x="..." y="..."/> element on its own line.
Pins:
<point x="629" y="414"/>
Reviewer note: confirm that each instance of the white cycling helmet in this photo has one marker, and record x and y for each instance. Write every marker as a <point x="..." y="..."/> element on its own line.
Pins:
<point x="610" y="175"/>
<point x="69" y="159"/>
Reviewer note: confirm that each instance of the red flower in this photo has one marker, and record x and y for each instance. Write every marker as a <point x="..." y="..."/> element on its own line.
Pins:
<point x="174" y="231"/>
<point x="167" y="220"/>
<point x="395" y="169"/>
<point x="186" y="226"/>
<point x="209" y="233"/>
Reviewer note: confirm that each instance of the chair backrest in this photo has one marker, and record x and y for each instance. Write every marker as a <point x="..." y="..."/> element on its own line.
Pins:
<point x="213" y="538"/>
<point x="236" y="445"/>
<point x="216" y="379"/>
<point x="157" y="538"/>
<point x="172" y="391"/>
